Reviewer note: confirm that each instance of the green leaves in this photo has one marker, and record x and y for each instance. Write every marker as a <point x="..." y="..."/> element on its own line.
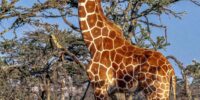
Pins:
<point x="193" y="69"/>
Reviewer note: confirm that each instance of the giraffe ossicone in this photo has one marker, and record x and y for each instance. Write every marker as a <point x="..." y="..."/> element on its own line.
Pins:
<point x="118" y="65"/>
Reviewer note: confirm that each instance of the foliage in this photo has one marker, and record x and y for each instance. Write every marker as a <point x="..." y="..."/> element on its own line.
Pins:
<point x="193" y="70"/>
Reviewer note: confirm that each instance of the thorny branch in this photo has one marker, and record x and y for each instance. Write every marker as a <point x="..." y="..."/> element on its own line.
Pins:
<point x="26" y="15"/>
<point x="69" y="23"/>
<point x="195" y="2"/>
<point x="180" y="64"/>
<point x="133" y="18"/>
<point x="66" y="52"/>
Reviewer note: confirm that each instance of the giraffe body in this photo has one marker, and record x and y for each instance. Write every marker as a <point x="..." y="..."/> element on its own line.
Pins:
<point x="116" y="64"/>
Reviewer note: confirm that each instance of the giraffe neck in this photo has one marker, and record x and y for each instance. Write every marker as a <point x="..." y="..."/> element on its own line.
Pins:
<point x="94" y="25"/>
<point x="90" y="14"/>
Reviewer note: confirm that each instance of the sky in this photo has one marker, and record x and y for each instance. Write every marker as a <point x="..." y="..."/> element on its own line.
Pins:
<point x="183" y="35"/>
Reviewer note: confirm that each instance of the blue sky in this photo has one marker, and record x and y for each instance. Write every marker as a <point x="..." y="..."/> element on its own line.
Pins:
<point x="182" y="34"/>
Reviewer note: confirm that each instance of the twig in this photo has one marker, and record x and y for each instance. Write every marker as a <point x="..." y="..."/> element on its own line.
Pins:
<point x="147" y="11"/>
<point x="173" y="13"/>
<point x="67" y="52"/>
<point x="180" y="64"/>
<point x="83" y="97"/>
<point x="195" y="2"/>
<point x="70" y="24"/>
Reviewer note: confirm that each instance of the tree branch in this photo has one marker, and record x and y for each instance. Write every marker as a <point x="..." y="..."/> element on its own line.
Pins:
<point x="70" y="24"/>
<point x="67" y="52"/>
<point x="180" y="64"/>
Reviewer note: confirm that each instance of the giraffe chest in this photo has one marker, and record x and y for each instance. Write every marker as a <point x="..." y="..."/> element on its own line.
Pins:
<point x="117" y="76"/>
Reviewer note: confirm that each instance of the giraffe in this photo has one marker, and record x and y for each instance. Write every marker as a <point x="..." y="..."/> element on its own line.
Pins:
<point x="118" y="65"/>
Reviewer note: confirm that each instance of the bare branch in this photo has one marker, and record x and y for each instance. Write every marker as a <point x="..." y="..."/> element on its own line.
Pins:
<point x="67" y="52"/>
<point x="195" y="2"/>
<point x="70" y="24"/>
<point x="180" y="64"/>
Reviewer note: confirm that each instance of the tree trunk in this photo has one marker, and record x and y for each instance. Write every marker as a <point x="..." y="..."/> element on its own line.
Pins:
<point x="48" y="91"/>
<point x="186" y="86"/>
<point x="62" y="90"/>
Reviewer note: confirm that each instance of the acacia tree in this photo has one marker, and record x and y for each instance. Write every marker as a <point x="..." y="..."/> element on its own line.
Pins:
<point x="30" y="56"/>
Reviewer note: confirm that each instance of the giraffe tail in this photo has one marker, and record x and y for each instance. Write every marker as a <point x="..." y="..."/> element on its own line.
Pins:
<point x="173" y="83"/>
